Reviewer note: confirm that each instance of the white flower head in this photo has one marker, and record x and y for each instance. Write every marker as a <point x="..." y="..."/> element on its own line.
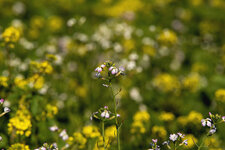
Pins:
<point x="223" y="118"/>
<point x="105" y="114"/>
<point x="114" y="71"/>
<point x="53" y="128"/>
<point x="206" y="122"/>
<point x="98" y="69"/>
<point x="173" y="137"/>
<point x="64" y="135"/>
<point x="180" y="135"/>
<point x="185" y="142"/>
<point x="6" y="110"/>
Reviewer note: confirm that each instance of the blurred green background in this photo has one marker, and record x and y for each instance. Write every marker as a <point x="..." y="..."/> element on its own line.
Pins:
<point x="173" y="52"/>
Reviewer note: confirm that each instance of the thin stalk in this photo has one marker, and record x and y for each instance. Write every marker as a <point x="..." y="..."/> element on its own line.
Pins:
<point x="175" y="147"/>
<point x="103" y="134"/>
<point x="116" y="119"/>
<point x="202" y="142"/>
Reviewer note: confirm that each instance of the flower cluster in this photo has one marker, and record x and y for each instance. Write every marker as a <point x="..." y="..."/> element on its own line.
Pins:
<point x="18" y="146"/>
<point x="103" y="114"/>
<point x="154" y="145"/>
<point x="10" y="36"/>
<point x="193" y="118"/>
<point x="211" y="122"/>
<point x="3" y="81"/>
<point x="108" y="71"/>
<point x="220" y="95"/>
<point x="159" y="131"/>
<point x="80" y="140"/>
<point x="6" y="109"/>
<point x="42" y="67"/>
<point x="167" y="116"/>
<point x="46" y="146"/>
<point x="20" y="123"/>
<point x="168" y="37"/>
<point x="141" y="118"/>
<point x="178" y="140"/>
<point x="166" y="82"/>
<point x="91" y="131"/>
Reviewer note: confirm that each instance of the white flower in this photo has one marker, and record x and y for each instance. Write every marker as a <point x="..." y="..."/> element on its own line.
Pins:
<point x="111" y="68"/>
<point x="114" y="71"/>
<point x="64" y="135"/>
<point x="180" y="135"/>
<point x="212" y="131"/>
<point x="173" y="137"/>
<point x="6" y="110"/>
<point x="223" y="118"/>
<point x="207" y="122"/>
<point x="185" y="142"/>
<point x="105" y="114"/>
<point x="53" y="128"/>
<point x="98" y="69"/>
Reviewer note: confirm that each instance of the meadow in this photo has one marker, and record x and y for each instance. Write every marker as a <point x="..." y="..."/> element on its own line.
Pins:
<point x="112" y="74"/>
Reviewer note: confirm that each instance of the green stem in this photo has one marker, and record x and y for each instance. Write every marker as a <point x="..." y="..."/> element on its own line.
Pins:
<point x="175" y="147"/>
<point x="200" y="146"/>
<point x="116" y="119"/>
<point x="103" y="134"/>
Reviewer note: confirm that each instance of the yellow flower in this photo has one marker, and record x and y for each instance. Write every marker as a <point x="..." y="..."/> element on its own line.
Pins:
<point x="192" y="82"/>
<point x="129" y="45"/>
<point x="45" y="67"/>
<point x="159" y="131"/>
<point x="3" y="81"/>
<point x="99" y="145"/>
<point x="80" y="140"/>
<point x="51" y="110"/>
<point x="20" y="82"/>
<point x="149" y="50"/>
<point x="37" y="22"/>
<point x="168" y="37"/>
<point x="81" y="91"/>
<point x="182" y="120"/>
<point x="166" y="82"/>
<point x="167" y="116"/>
<point x="137" y="127"/>
<point x="20" y="123"/>
<point x="190" y="139"/>
<point x="111" y="132"/>
<point x="55" y="23"/>
<point x="194" y="117"/>
<point x="142" y="116"/>
<point x="91" y="131"/>
<point x="19" y="146"/>
<point x="220" y="95"/>
<point x="11" y="35"/>
<point x="122" y="7"/>
<point x="36" y="81"/>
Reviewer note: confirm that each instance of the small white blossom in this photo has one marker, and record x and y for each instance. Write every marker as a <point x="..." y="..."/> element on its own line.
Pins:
<point x="98" y="69"/>
<point x="206" y="122"/>
<point x="173" y="137"/>
<point x="53" y="128"/>
<point x="64" y="135"/>
<point x="6" y="110"/>
<point x="105" y="114"/>
<point x="114" y="71"/>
